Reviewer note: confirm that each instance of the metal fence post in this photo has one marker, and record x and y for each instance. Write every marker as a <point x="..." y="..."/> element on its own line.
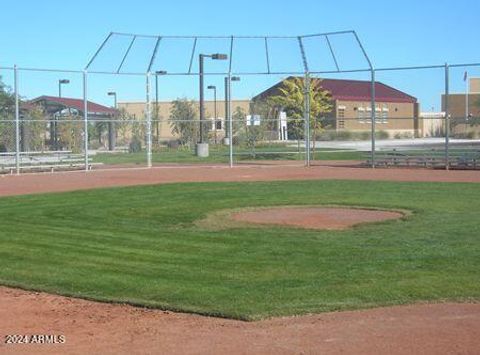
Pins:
<point x="85" y="120"/>
<point x="229" y="118"/>
<point x="447" y="117"/>
<point x="374" y="116"/>
<point x="149" y="121"/>
<point x="17" y="121"/>
<point x="306" y="117"/>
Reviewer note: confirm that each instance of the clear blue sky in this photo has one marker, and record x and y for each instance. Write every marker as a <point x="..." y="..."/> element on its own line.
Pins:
<point x="65" y="34"/>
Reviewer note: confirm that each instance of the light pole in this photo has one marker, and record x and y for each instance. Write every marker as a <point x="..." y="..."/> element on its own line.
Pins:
<point x="53" y="128"/>
<point x="214" y="88"/>
<point x="157" y="123"/>
<point x="227" y="109"/>
<point x="202" y="147"/>
<point x="60" y="83"/>
<point x="111" y="125"/>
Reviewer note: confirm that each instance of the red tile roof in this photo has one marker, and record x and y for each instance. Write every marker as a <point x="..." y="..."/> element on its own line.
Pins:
<point x="355" y="90"/>
<point x="77" y="104"/>
<point x="359" y="90"/>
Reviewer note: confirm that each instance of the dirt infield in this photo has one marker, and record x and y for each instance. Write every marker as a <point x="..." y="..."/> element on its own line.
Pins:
<point x="67" y="181"/>
<point x="314" y="217"/>
<point x="91" y="327"/>
<point x="95" y="328"/>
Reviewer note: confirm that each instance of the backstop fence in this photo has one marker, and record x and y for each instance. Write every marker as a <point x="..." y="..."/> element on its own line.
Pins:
<point x="315" y="106"/>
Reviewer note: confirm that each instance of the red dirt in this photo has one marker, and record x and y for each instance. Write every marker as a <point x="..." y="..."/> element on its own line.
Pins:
<point x="314" y="217"/>
<point x="91" y="327"/>
<point x="96" y="328"/>
<point x="76" y="180"/>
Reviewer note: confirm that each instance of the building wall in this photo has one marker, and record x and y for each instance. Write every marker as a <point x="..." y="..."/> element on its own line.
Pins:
<point x="400" y="117"/>
<point x="456" y="110"/>
<point x="457" y="102"/>
<point x="137" y="109"/>
<point x="432" y="124"/>
<point x="475" y="85"/>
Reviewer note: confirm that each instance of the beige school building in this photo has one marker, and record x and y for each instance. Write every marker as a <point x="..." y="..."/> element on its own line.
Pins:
<point x="164" y="133"/>
<point x="460" y="116"/>
<point x="397" y="113"/>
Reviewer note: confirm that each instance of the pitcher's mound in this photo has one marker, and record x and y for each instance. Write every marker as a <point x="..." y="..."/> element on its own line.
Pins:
<point x="314" y="217"/>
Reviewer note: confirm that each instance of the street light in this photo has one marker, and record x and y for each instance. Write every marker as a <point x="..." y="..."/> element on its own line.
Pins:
<point x="214" y="88"/>
<point x="202" y="147"/>
<point x="111" y="126"/>
<point x="157" y="123"/>
<point x="114" y="94"/>
<point x="53" y="126"/>
<point x="227" y="108"/>
<point x="60" y="83"/>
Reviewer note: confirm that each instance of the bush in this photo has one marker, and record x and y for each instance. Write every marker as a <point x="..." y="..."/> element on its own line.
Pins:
<point x="464" y="135"/>
<point x="382" y="135"/>
<point x="364" y="135"/>
<point x="173" y="144"/>
<point x="327" y="136"/>
<point x="238" y="140"/>
<point x="344" y="135"/>
<point x="135" y="145"/>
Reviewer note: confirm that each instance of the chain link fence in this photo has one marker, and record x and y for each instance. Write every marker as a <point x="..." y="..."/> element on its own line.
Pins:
<point x="48" y="121"/>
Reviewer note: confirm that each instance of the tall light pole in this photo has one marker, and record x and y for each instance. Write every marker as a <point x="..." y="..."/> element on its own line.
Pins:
<point x="111" y="125"/>
<point x="60" y="83"/>
<point x="53" y="127"/>
<point x="114" y="94"/>
<point x="215" y="116"/>
<point x="227" y="108"/>
<point x="230" y="120"/>
<point x="202" y="147"/>
<point x="157" y="123"/>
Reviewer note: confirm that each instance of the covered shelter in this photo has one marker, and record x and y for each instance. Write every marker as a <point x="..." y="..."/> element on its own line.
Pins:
<point x="60" y="107"/>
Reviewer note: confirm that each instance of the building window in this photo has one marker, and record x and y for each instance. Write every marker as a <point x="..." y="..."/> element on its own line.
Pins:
<point x="368" y="115"/>
<point x="361" y="114"/>
<point x="384" y="114"/>
<point x="378" y="114"/>
<point x="341" y="117"/>
<point x="219" y="124"/>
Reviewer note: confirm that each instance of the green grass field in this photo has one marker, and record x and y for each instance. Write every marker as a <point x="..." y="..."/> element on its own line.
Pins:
<point x="140" y="245"/>
<point x="221" y="155"/>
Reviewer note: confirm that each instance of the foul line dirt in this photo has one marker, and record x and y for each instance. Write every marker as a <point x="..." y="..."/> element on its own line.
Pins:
<point x="96" y="328"/>
<point x="67" y="181"/>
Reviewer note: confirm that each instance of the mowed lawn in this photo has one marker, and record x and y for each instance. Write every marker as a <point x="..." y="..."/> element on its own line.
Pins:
<point x="140" y="245"/>
<point x="221" y="155"/>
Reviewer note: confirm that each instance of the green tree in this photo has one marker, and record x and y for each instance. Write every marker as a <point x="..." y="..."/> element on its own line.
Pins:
<point x="291" y="99"/>
<point x="123" y="125"/>
<point x="33" y="123"/>
<point x="7" y="114"/>
<point x="239" y="117"/>
<point x="33" y="129"/>
<point x="475" y="120"/>
<point x="7" y="100"/>
<point x="182" y="121"/>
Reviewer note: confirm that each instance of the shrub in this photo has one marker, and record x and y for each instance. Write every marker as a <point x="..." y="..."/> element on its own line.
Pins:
<point x="382" y="135"/>
<point x="173" y="144"/>
<point x="135" y="145"/>
<point x="238" y="140"/>
<point x="344" y="135"/>
<point x="364" y="135"/>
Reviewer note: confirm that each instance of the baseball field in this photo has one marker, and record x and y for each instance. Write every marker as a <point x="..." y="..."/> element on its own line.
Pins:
<point x="172" y="246"/>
